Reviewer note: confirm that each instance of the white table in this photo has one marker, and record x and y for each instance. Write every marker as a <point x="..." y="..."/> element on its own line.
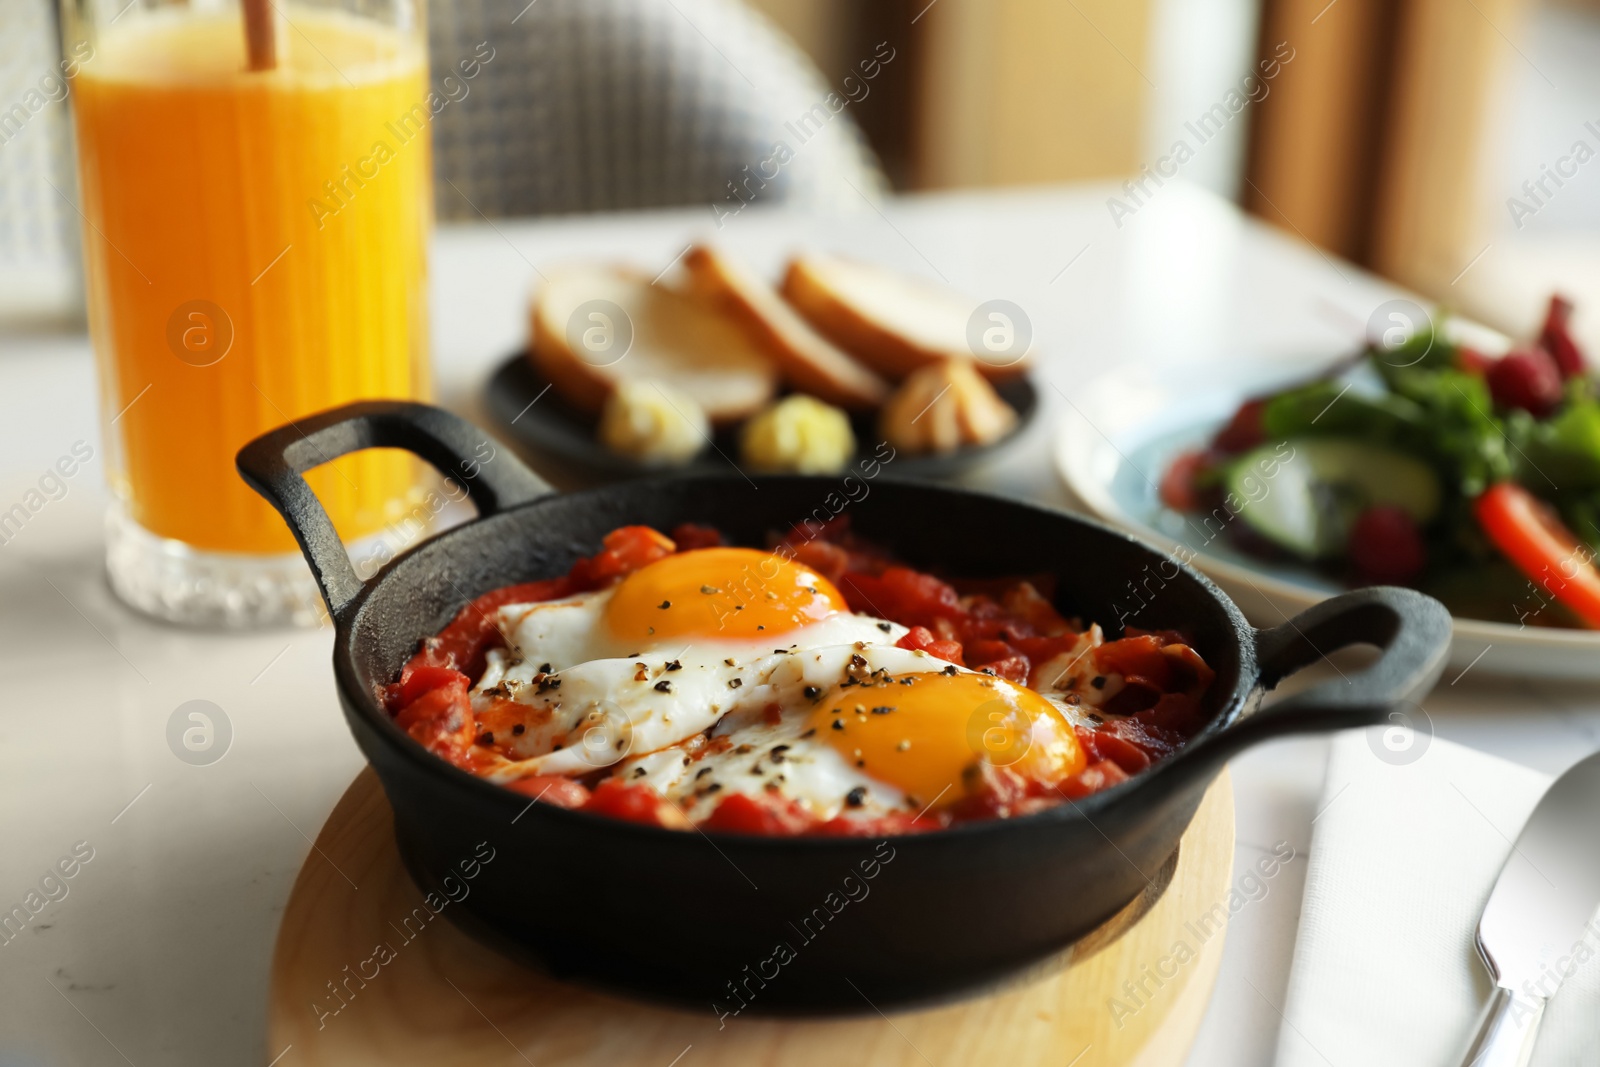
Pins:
<point x="160" y="951"/>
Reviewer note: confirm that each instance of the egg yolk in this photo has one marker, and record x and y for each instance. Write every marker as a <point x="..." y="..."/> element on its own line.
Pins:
<point x="722" y="593"/>
<point x="923" y="737"/>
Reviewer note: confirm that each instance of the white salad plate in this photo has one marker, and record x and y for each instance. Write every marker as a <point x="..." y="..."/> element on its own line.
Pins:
<point x="1121" y="431"/>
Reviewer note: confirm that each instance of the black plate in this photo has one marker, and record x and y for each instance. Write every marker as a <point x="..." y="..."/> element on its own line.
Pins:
<point x="698" y="918"/>
<point x="548" y="426"/>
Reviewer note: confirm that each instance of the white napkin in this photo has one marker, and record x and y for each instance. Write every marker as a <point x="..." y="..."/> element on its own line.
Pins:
<point x="1403" y="856"/>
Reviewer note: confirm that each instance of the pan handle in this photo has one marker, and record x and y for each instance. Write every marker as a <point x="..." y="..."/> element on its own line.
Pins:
<point x="273" y="465"/>
<point x="1412" y="629"/>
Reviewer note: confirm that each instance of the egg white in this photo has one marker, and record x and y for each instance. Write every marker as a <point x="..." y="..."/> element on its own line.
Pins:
<point x="601" y="703"/>
<point x="658" y="714"/>
<point x="559" y="634"/>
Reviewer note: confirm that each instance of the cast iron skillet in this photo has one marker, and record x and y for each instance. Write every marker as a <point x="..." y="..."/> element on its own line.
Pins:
<point x="727" y="922"/>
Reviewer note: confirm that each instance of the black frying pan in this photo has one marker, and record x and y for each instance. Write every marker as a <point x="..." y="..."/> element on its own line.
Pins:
<point x="718" y="921"/>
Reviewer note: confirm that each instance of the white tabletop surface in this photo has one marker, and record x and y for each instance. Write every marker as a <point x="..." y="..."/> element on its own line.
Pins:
<point x="160" y="951"/>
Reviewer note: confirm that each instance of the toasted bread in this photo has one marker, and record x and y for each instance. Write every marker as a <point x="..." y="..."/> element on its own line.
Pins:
<point x="943" y="407"/>
<point x="894" y="323"/>
<point x="808" y="361"/>
<point x="665" y="335"/>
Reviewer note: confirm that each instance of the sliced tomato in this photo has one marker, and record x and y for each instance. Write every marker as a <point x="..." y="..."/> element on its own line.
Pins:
<point x="689" y="535"/>
<point x="1175" y="713"/>
<point x="827" y="559"/>
<point x="920" y="637"/>
<point x="422" y="679"/>
<point x="551" y="789"/>
<point x="999" y="657"/>
<point x="768" y="814"/>
<point x="1024" y="602"/>
<point x="441" y="720"/>
<point x="1115" y="743"/>
<point x="992" y="792"/>
<point x="911" y="597"/>
<point x="623" y="551"/>
<point x="894" y="822"/>
<point x="635" y="803"/>
<point x="1092" y="779"/>
<point x="1531" y="535"/>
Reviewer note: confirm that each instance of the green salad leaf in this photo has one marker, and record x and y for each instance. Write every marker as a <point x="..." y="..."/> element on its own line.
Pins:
<point x="1438" y="414"/>
<point x="1562" y="452"/>
<point x="1328" y="409"/>
<point x="1424" y="350"/>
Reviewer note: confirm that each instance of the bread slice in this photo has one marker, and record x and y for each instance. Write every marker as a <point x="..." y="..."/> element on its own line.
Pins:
<point x="808" y="361"/>
<point x="676" y="339"/>
<point x="944" y="407"/>
<point x="892" y="322"/>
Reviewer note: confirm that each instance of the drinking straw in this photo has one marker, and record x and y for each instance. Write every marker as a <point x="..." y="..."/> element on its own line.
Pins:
<point x="261" y="43"/>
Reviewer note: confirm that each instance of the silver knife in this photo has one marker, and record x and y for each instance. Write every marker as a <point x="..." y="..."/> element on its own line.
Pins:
<point x="1541" y="910"/>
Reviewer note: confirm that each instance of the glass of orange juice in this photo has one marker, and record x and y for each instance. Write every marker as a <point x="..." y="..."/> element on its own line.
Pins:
<point x="256" y="251"/>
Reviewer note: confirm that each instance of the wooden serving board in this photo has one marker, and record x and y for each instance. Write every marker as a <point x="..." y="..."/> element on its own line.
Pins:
<point x="443" y="1000"/>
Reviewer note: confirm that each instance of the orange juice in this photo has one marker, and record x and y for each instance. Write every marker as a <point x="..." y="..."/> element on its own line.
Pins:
<point x="255" y="252"/>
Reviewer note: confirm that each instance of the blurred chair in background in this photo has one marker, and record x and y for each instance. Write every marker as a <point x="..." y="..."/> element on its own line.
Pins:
<point x="39" y="273"/>
<point x="602" y="105"/>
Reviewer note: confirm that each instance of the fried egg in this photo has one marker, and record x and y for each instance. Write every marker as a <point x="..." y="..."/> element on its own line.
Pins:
<point x="726" y="670"/>
<point x="876" y="729"/>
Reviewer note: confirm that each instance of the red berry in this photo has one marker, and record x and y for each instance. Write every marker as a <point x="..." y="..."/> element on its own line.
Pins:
<point x="1244" y="431"/>
<point x="1528" y="379"/>
<point x="1386" y="546"/>
<point x="1179" y="490"/>
<point x="1556" y="338"/>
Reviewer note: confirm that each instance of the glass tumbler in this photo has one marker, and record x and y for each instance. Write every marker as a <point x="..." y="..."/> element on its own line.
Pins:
<point x="257" y="207"/>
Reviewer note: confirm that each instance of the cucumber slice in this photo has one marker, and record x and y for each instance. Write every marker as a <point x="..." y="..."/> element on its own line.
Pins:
<point x="1305" y="494"/>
